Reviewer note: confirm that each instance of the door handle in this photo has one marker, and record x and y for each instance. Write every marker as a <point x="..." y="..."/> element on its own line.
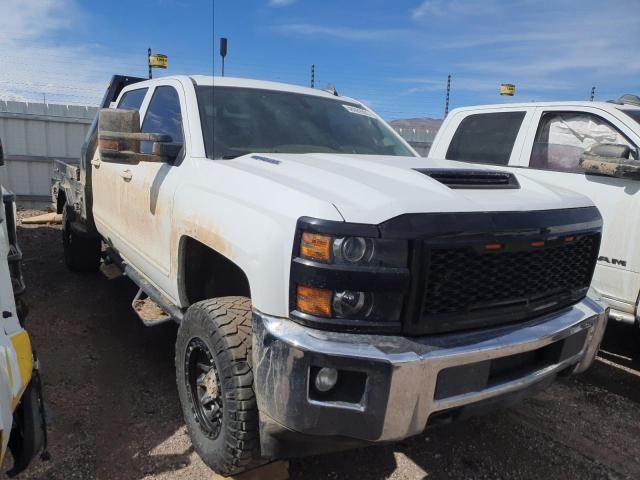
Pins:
<point x="96" y="162"/>
<point x="126" y="175"/>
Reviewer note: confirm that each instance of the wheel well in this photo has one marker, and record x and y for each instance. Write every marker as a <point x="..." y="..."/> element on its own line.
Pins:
<point x="205" y="273"/>
<point x="60" y="201"/>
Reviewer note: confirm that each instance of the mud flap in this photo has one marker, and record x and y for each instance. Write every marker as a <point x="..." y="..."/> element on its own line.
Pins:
<point x="29" y="433"/>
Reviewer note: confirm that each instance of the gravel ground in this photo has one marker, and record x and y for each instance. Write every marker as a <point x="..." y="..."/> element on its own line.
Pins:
<point x="109" y="384"/>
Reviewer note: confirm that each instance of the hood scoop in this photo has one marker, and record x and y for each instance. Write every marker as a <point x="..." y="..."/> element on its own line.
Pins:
<point x="471" y="179"/>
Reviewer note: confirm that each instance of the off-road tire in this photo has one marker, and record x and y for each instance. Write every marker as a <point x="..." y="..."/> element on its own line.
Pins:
<point x="81" y="253"/>
<point x="224" y="325"/>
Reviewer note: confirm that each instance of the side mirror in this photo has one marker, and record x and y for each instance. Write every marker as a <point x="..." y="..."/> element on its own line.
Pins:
<point x="612" y="160"/>
<point x="1" y="154"/>
<point x="119" y="139"/>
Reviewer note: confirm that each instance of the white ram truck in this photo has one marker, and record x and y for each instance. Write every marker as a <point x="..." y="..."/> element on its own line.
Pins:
<point x="590" y="147"/>
<point x="333" y="288"/>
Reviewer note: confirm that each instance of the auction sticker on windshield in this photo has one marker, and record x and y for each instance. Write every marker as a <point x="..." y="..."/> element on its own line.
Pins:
<point x="359" y="111"/>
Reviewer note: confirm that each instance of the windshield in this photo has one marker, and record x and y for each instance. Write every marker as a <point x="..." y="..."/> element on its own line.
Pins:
<point x="635" y="114"/>
<point x="237" y="121"/>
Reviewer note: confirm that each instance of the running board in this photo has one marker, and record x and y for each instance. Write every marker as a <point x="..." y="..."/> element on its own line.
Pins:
<point x="149" y="312"/>
<point x="624" y="317"/>
<point x="149" y="301"/>
<point x="148" y="293"/>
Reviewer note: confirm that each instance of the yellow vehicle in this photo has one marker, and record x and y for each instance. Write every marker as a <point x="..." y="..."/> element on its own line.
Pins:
<point x="22" y="417"/>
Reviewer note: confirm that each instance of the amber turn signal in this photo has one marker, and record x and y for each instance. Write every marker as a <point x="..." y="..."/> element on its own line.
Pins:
<point x="315" y="247"/>
<point x="493" y="246"/>
<point x="314" y="301"/>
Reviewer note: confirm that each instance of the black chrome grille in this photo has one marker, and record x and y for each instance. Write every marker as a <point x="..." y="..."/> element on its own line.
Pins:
<point x="468" y="287"/>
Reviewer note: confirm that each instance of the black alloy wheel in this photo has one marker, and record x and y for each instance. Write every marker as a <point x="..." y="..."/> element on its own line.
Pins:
<point x="204" y="387"/>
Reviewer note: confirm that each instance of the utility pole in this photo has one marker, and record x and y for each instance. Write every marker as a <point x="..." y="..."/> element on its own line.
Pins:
<point x="223" y="51"/>
<point x="446" y="102"/>
<point x="149" y="62"/>
<point x="313" y="75"/>
<point x="593" y="93"/>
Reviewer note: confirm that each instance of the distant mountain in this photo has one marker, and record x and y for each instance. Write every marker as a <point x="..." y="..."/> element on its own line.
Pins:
<point x="417" y="123"/>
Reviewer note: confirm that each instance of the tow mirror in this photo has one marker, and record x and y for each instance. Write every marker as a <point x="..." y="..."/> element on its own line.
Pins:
<point x="119" y="139"/>
<point x="1" y="154"/>
<point x="612" y="160"/>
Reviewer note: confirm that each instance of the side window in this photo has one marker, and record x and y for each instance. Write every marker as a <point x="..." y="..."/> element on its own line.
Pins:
<point x="163" y="116"/>
<point x="132" y="100"/>
<point x="486" y="138"/>
<point x="563" y="137"/>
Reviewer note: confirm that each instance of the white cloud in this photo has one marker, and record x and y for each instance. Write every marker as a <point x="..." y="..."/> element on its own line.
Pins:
<point x="281" y="3"/>
<point x="447" y="8"/>
<point x="34" y="63"/>
<point x="27" y="19"/>
<point x="343" y="33"/>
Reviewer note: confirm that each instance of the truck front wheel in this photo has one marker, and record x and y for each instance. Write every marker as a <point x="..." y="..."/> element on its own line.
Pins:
<point x="81" y="253"/>
<point x="215" y="383"/>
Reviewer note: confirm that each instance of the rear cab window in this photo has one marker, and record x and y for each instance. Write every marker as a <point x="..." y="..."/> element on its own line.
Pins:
<point x="132" y="100"/>
<point x="486" y="137"/>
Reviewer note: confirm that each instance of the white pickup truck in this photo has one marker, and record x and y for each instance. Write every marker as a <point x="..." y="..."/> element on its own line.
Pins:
<point x="333" y="288"/>
<point x="588" y="147"/>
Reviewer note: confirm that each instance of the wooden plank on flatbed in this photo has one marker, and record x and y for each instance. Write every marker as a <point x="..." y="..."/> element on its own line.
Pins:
<point x="43" y="219"/>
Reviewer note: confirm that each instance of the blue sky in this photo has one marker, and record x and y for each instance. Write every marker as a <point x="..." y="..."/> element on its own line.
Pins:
<point x="394" y="55"/>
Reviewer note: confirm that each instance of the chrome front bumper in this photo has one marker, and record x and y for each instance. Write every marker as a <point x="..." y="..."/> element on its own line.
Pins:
<point x="408" y="379"/>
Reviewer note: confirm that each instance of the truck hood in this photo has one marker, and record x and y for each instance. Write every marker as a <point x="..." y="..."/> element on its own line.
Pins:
<point x="372" y="189"/>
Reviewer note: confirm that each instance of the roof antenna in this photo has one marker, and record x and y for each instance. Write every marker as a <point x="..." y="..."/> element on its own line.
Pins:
<point x="331" y="89"/>
<point x="223" y="51"/>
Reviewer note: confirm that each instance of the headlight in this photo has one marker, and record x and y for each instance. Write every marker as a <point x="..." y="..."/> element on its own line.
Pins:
<point x="349" y="304"/>
<point x="353" y="250"/>
<point x="351" y="279"/>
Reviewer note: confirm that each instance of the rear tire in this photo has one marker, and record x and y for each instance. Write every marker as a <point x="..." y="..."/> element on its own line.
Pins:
<point x="215" y="383"/>
<point x="81" y="253"/>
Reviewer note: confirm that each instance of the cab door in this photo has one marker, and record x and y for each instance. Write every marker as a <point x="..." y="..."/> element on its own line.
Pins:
<point x="552" y="152"/>
<point x="150" y="187"/>
<point x="109" y="181"/>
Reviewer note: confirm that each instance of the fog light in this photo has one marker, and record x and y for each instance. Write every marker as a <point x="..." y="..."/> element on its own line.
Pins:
<point x="349" y="303"/>
<point x="326" y="379"/>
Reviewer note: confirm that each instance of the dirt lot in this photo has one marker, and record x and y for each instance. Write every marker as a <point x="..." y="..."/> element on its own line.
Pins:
<point x="109" y="383"/>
